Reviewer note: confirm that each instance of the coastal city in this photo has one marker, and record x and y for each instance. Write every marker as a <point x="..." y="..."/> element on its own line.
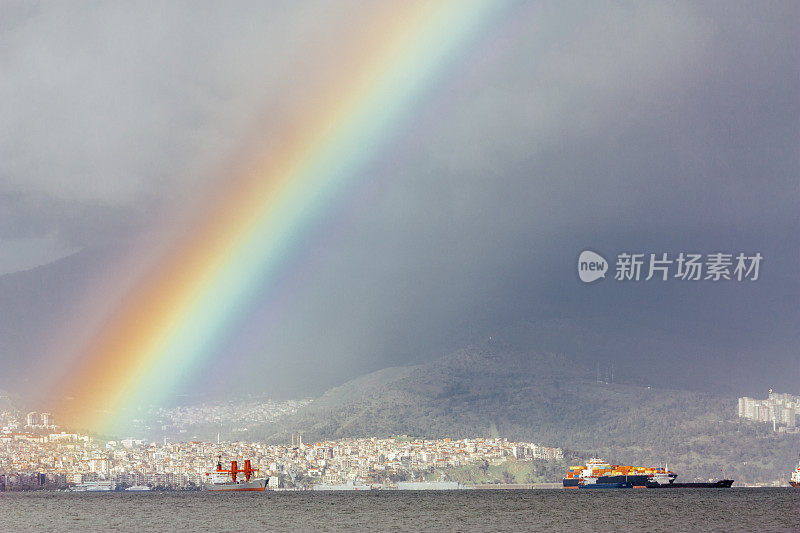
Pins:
<point x="60" y="460"/>
<point x="36" y="453"/>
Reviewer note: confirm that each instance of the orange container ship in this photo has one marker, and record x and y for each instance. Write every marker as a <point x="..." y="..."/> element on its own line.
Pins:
<point x="596" y="471"/>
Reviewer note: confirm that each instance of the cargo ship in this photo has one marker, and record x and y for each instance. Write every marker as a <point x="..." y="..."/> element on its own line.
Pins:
<point x="794" y="479"/>
<point x="598" y="472"/>
<point x="235" y="480"/>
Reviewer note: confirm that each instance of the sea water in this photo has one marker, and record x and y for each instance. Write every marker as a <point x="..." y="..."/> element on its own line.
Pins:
<point x="736" y="509"/>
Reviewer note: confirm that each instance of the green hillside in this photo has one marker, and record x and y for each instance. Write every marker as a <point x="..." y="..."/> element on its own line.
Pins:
<point x="494" y="390"/>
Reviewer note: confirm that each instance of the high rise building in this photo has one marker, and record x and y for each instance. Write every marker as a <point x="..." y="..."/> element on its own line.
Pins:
<point x="99" y="465"/>
<point x="47" y="420"/>
<point x="33" y="419"/>
<point x="780" y="409"/>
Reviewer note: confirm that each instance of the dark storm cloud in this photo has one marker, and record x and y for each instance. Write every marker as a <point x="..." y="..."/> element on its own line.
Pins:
<point x="644" y="127"/>
<point x="652" y="128"/>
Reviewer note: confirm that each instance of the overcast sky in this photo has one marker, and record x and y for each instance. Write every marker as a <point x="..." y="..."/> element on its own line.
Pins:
<point x="652" y="127"/>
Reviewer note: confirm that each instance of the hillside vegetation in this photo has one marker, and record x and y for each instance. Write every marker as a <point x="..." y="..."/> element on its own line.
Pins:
<point x="493" y="390"/>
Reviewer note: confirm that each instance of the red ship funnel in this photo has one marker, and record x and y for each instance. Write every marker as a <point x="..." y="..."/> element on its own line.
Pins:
<point x="247" y="470"/>
<point x="234" y="470"/>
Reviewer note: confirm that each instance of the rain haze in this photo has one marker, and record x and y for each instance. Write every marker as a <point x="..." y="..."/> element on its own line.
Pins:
<point x="639" y="128"/>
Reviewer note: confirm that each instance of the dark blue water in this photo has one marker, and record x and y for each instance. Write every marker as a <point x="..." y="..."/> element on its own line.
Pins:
<point x="476" y="510"/>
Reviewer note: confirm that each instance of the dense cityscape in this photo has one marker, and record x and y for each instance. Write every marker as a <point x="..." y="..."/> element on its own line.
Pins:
<point x="193" y="422"/>
<point x="35" y="453"/>
<point x="61" y="460"/>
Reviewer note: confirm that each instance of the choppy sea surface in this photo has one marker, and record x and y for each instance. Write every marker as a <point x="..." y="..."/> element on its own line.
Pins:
<point x="737" y="509"/>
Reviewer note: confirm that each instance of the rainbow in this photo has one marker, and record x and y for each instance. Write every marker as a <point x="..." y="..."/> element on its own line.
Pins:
<point x="171" y="321"/>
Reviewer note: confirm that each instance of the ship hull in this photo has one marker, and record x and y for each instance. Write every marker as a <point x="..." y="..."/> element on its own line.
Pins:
<point x="636" y="480"/>
<point x="795" y="484"/>
<point x="721" y="484"/>
<point x="598" y="485"/>
<point x="254" y="485"/>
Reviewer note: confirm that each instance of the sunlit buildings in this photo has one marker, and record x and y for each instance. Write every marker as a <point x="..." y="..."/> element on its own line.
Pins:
<point x="77" y="458"/>
<point x="780" y="409"/>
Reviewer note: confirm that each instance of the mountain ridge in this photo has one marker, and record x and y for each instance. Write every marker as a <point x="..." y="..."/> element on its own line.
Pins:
<point x="494" y="390"/>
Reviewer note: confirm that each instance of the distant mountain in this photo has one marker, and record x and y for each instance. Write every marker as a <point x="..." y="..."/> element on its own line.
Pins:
<point x="497" y="389"/>
<point x="33" y="305"/>
<point x="533" y="381"/>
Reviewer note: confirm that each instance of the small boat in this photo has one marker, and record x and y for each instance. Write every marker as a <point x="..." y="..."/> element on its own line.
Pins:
<point x="235" y="480"/>
<point x="94" y="486"/>
<point x="794" y="478"/>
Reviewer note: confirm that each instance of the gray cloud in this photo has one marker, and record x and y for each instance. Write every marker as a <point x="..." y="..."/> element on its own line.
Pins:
<point x="110" y="111"/>
<point x="652" y="127"/>
<point x="648" y="128"/>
